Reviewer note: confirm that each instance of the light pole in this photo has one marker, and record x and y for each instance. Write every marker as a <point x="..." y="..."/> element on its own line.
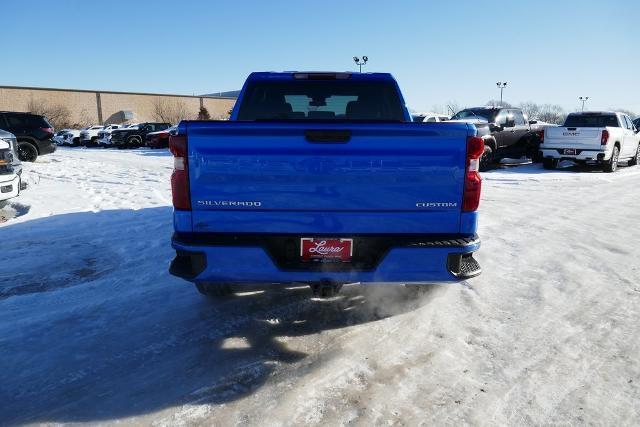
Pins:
<point x="583" y="99"/>
<point x="359" y="62"/>
<point x="501" y="86"/>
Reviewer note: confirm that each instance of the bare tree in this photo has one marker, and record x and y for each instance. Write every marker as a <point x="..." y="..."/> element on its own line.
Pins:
<point x="84" y="121"/>
<point x="170" y="111"/>
<point x="530" y="109"/>
<point x="57" y="114"/>
<point x="449" y="108"/>
<point x="452" y="108"/>
<point x="222" y="116"/>
<point x="496" y="103"/>
<point x="551" y="113"/>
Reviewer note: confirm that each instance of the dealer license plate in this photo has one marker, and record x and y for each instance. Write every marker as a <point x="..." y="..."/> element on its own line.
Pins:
<point x="326" y="249"/>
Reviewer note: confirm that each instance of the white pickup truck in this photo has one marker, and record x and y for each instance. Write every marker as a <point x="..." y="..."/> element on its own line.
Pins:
<point x="594" y="137"/>
<point x="429" y="117"/>
<point x="89" y="137"/>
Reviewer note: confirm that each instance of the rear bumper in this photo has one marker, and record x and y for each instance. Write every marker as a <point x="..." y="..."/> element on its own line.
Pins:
<point x="582" y="155"/>
<point x="267" y="258"/>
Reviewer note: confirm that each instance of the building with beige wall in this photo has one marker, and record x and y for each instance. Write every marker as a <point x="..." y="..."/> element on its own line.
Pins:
<point x="84" y="107"/>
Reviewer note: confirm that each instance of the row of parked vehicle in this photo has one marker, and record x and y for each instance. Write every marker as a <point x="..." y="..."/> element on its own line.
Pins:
<point x="604" y="138"/>
<point x="133" y="135"/>
<point x="507" y="132"/>
<point x="26" y="136"/>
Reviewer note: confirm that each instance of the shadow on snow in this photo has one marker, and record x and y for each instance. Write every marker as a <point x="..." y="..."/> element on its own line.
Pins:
<point x="92" y="327"/>
<point x="536" y="168"/>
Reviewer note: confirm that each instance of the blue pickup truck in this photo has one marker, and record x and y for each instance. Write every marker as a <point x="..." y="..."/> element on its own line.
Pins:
<point x="322" y="178"/>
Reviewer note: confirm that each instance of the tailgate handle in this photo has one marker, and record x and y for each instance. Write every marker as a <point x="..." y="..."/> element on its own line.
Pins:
<point x="572" y="128"/>
<point x="328" y="136"/>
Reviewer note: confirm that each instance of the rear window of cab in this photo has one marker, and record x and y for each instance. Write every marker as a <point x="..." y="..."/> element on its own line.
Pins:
<point x="591" y="121"/>
<point x="321" y="100"/>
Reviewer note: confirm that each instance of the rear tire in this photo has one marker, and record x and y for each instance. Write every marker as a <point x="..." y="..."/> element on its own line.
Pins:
<point x="214" y="290"/>
<point x="635" y="160"/>
<point x="27" y="152"/>
<point x="486" y="160"/>
<point x="536" y="157"/>
<point x="549" y="163"/>
<point x="134" y="141"/>
<point x="533" y="150"/>
<point x="612" y="164"/>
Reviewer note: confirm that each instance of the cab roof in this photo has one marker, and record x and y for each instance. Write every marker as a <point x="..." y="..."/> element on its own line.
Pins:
<point x="594" y="113"/>
<point x="318" y="75"/>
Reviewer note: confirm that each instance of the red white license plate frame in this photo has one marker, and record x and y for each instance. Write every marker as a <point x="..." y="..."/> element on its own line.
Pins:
<point x="326" y="249"/>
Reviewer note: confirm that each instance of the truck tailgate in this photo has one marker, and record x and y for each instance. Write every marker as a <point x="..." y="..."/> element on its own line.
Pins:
<point x="287" y="177"/>
<point x="572" y="137"/>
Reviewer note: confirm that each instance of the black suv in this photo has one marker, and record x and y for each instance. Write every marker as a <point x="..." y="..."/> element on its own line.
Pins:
<point x="33" y="132"/>
<point x="134" y="137"/>
<point x="505" y="131"/>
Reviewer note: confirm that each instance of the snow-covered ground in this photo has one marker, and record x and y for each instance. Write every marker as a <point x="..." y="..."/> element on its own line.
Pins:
<point x="93" y="329"/>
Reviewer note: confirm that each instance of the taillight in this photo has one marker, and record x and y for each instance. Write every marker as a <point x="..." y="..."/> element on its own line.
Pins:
<point x="541" y="136"/>
<point x="180" y="175"/>
<point x="472" y="180"/>
<point x="604" y="138"/>
<point x="48" y="130"/>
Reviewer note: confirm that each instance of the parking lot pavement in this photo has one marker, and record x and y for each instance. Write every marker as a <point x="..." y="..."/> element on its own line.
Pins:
<point x="93" y="329"/>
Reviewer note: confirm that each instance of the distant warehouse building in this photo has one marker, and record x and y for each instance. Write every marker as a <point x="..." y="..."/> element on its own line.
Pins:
<point x="68" y="107"/>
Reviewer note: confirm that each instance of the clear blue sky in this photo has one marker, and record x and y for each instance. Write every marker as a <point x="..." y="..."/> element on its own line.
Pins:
<point x="440" y="52"/>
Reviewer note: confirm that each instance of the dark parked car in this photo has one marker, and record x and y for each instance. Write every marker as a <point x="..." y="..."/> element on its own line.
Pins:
<point x="33" y="132"/>
<point x="135" y="137"/>
<point x="505" y="131"/>
<point x="636" y="123"/>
